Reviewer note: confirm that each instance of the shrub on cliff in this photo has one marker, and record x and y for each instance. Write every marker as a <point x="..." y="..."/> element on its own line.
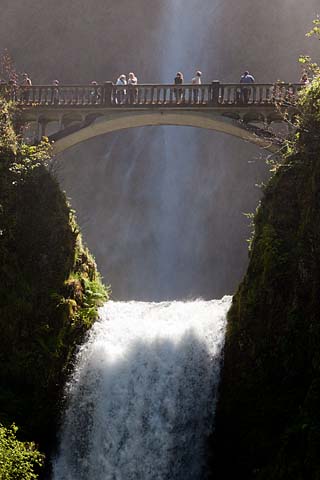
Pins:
<point x="18" y="460"/>
<point x="50" y="288"/>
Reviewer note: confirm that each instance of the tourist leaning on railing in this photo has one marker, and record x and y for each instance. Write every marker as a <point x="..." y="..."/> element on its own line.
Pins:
<point x="246" y="78"/>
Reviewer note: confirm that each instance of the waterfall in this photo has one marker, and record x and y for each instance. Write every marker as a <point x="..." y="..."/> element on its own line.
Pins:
<point x="141" y="400"/>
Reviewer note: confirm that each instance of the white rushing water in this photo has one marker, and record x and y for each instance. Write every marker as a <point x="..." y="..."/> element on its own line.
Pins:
<point x="142" y="397"/>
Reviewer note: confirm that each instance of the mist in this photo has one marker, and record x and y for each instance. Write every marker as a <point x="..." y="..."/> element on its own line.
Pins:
<point x="162" y="209"/>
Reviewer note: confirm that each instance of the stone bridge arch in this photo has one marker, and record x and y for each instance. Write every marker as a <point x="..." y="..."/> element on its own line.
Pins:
<point x="115" y="121"/>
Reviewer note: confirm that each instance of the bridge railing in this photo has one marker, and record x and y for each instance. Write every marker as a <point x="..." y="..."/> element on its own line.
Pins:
<point x="164" y="94"/>
<point x="77" y="95"/>
<point x="118" y="96"/>
<point x="263" y="94"/>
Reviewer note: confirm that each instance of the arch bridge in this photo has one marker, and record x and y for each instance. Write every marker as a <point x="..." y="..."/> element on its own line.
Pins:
<point x="70" y="114"/>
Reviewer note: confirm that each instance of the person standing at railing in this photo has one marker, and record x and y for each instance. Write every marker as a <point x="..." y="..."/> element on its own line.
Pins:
<point x="196" y="91"/>
<point x="55" y="92"/>
<point x="133" y="92"/>
<point x="26" y="84"/>
<point x="246" y="78"/>
<point x="178" y="80"/>
<point x="94" y="93"/>
<point x="121" y="92"/>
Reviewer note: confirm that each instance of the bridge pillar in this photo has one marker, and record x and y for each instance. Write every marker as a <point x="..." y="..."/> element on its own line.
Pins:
<point x="215" y="89"/>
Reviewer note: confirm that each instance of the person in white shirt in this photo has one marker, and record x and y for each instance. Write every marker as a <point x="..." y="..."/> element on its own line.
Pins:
<point x="121" y="92"/>
<point x="196" y="91"/>
<point x="55" y="95"/>
<point x="133" y="92"/>
<point x="26" y="84"/>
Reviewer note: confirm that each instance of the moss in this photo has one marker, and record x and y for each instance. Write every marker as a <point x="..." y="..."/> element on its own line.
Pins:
<point x="268" y="417"/>
<point x="49" y="291"/>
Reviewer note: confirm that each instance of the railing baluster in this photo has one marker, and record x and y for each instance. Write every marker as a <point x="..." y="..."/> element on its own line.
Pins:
<point x="40" y="95"/>
<point x="43" y="95"/>
<point x="164" y="95"/>
<point x="254" y="95"/>
<point x="64" y="96"/>
<point x="228" y="94"/>
<point x="209" y="88"/>
<point x="268" y="95"/>
<point x="202" y="95"/>
<point x="139" y="95"/>
<point x="73" y="96"/>
<point x="206" y="94"/>
<point x="51" y="95"/>
<point x="222" y="93"/>
<point x="171" y="96"/>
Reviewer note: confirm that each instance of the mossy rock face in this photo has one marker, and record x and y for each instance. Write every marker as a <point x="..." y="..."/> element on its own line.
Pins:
<point x="49" y="291"/>
<point x="268" y="416"/>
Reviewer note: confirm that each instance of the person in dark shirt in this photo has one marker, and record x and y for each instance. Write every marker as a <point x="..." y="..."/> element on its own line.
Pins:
<point x="178" y="80"/>
<point x="55" y="92"/>
<point x="246" y="78"/>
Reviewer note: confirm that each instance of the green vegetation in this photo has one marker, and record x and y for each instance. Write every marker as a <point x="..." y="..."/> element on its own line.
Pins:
<point x="268" y="418"/>
<point x="49" y="290"/>
<point x="18" y="460"/>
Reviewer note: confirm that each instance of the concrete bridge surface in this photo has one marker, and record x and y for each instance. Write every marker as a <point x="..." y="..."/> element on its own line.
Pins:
<point x="70" y="114"/>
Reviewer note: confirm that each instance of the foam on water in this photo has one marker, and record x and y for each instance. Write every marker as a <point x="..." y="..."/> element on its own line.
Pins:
<point x="142" y="397"/>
